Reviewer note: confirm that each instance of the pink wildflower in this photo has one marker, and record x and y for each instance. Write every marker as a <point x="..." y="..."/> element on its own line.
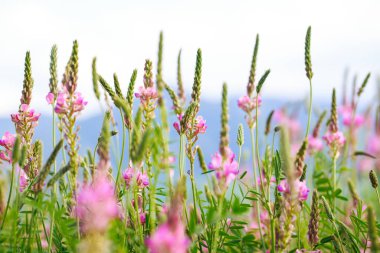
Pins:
<point x="300" y="187"/>
<point x="177" y="127"/>
<point x="146" y="94"/>
<point x="142" y="179"/>
<point x="23" y="180"/>
<point x="64" y="103"/>
<point x="248" y="104"/>
<point x="96" y="205"/>
<point x="315" y="144"/>
<point x="335" y="140"/>
<point x="169" y="239"/>
<point x="7" y="141"/>
<point x="200" y="125"/>
<point x="346" y="111"/>
<point x="225" y="170"/>
<point x="50" y="98"/>
<point x="25" y="115"/>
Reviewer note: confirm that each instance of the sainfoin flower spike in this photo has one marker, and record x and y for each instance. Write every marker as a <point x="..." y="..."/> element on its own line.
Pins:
<point x="96" y="205"/>
<point x="226" y="170"/>
<point x="170" y="236"/>
<point x="25" y="115"/>
<point x="300" y="188"/>
<point x="7" y="141"/>
<point x="65" y="103"/>
<point x="131" y="175"/>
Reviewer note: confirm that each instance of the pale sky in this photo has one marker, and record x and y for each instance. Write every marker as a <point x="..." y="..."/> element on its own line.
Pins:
<point x="122" y="34"/>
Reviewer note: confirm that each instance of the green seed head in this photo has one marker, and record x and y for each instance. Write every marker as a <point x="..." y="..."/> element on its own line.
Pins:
<point x="53" y="81"/>
<point x="309" y="72"/>
<point x="196" y="93"/>
<point x="95" y="79"/>
<point x="252" y="72"/>
<point x="224" y="136"/>
<point x="28" y="81"/>
<point x="373" y="179"/>
<point x="148" y="74"/>
<point x="240" y="135"/>
<point x="328" y="211"/>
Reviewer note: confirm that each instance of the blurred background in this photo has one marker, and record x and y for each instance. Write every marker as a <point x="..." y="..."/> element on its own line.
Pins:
<point x="122" y="34"/>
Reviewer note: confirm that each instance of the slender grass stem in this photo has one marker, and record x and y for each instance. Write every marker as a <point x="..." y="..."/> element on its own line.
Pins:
<point x="233" y="185"/>
<point x="256" y="187"/>
<point x="334" y="182"/>
<point x="54" y="190"/>
<point x="378" y="196"/>
<point x="9" y="196"/>
<point x="309" y="109"/>
<point x="272" y="235"/>
<point x="194" y="191"/>
<point x="181" y="160"/>
<point x="217" y="226"/>
<point x="122" y="155"/>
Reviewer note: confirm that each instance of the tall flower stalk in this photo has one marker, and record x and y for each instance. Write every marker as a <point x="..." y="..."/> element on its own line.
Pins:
<point x="53" y="85"/>
<point x="335" y="140"/>
<point x="309" y="74"/>
<point x="248" y="103"/>
<point x="69" y="103"/>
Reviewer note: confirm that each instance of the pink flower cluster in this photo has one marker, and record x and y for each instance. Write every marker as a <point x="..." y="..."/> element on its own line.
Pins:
<point x="23" y="180"/>
<point x="146" y="95"/>
<point x="142" y="179"/>
<point x="346" y="111"/>
<point x="96" y="205"/>
<point x="335" y="140"/>
<point x="300" y="187"/>
<point x="169" y="238"/>
<point x="65" y="103"/>
<point x="248" y="104"/>
<point x="7" y="141"/>
<point x="25" y="115"/>
<point x="226" y="169"/>
<point x="199" y="126"/>
<point x="140" y="207"/>
<point x="315" y="144"/>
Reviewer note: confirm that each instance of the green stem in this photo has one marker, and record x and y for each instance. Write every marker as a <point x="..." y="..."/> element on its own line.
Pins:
<point x="334" y="182"/>
<point x="299" y="231"/>
<point x="139" y="228"/>
<point x="9" y="196"/>
<point x="256" y="187"/>
<point x="181" y="160"/>
<point x="194" y="191"/>
<point x="273" y="235"/>
<point x="217" y="226"/>
<point x="122" y="156"/>
<point x="309" y="109"/>
<point x="233" y="185"/>
<point x="378" y="197"/>
<point x="129" y="145"/>
<point x="54" y="191"/>
<point x="257" y="149"/>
